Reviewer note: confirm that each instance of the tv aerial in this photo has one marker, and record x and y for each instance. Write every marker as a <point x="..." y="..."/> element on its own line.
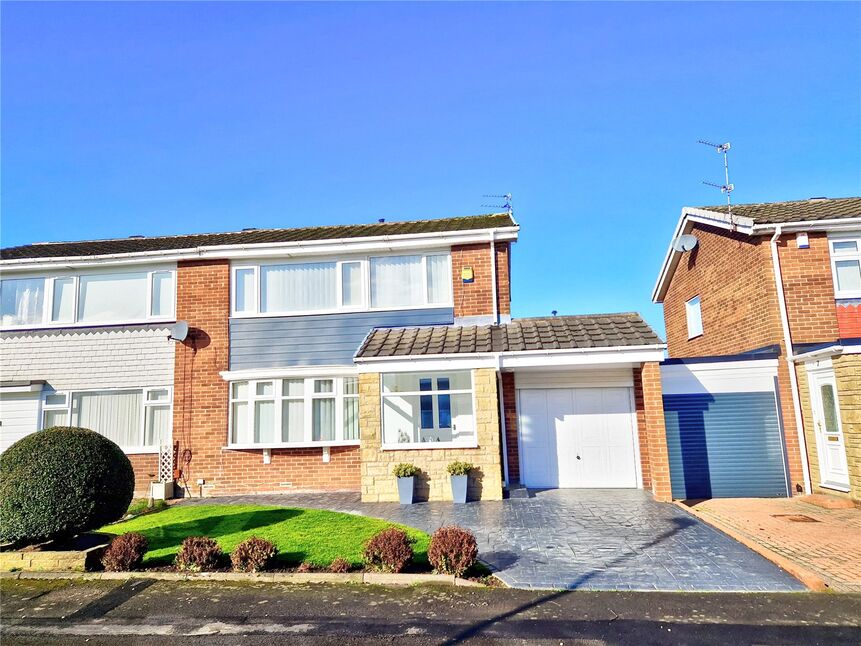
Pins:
<point x="505" y="206"/>
<point x="727" y="187"/>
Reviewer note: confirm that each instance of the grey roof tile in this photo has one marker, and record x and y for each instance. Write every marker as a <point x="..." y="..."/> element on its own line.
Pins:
<point x="548" y="333"/>
<point x="795" y="211"/>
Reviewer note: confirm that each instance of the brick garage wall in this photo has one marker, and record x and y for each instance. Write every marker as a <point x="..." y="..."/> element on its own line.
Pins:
<point x="476" y="298"/>
<point x="808" y="289"/>
<point x="647" y="378"/>
<point x="642" y="430"/>
<point x="201" y="405"/>
<point x="509" y="400"/>
<point x="378" y="483"/>
<point x="847" y="373"/>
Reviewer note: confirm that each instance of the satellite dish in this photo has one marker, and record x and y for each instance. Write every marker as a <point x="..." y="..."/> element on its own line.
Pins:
<point x="179" y="331"/>
<point x="685" y="243"/>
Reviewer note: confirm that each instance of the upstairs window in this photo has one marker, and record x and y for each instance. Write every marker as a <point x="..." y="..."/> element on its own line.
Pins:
<point x="380" y="282"/>
<point x="694" y="316"/>
<point x="88" y="299"/>
<point x="846" y="266"/>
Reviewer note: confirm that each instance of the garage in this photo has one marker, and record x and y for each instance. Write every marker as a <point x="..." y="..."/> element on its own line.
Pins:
<point x="19" y="411"/>
<point x="578" y="437"/>
<point x="724" y="437"/>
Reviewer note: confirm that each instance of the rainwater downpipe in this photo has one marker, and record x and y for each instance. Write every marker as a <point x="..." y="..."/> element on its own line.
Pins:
<point x="502" y="425"/>
<point x="790" y="358"/>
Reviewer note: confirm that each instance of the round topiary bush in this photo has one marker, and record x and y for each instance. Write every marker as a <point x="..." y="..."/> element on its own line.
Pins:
<point x="60" y="482"/>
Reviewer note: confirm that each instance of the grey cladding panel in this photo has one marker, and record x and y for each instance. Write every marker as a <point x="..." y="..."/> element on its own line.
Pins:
<point x="326" y="339"/>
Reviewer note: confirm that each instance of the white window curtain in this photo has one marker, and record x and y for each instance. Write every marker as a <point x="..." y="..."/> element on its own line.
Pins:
<point x="439" y="279"/>
<point x="113" y="297"/>
<point x="351" y="284"/>
<point x="298" y="288"/>
<point x="116" y="415"/>
<point x="244" y="290"/>
<point x="21" y="301"/>
<point x="162" y="293"/>
<point x="63" y="308"/>
<point x="157" y="426"/>
<point x="397" y="281"/>
<point x="323" y="420"/>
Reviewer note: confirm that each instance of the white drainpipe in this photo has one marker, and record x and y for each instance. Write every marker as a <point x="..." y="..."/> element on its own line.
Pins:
<point x="493" y="276"/>
<point x="502" y="425"/>
<point x="787" y="342"/>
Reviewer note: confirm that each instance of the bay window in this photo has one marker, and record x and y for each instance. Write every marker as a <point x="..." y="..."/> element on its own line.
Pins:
<point x="428" y="408"/>
<point x="846" y="265"/>
<point x="89" y="299"/>
<point x="294" y="411"/>
<point x="138" y="420"/>
<point x="380" y="282"/>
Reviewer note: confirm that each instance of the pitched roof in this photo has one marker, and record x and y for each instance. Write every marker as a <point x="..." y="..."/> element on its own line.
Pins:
<point x="254" y="236"/>
<point x="795" y="211"/>
<point x="544" y="333"/>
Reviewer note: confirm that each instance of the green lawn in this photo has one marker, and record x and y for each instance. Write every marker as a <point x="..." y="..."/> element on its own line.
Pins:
<point x="311" y="535"/>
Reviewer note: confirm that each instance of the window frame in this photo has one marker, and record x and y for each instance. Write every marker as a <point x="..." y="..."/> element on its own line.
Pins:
<point x="308" y="396"/>
<point x="434" y="374"/>
<point x="836" y="256"/>
<point x="693" y="334"/>
<point x="144" y="390"/>
<point x="48" y="299"/>
<point x="364" y="304"/>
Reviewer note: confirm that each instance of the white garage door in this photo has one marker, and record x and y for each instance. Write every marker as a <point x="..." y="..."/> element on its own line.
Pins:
<point x="577" y="437"/>
<point x="19" y="416"/>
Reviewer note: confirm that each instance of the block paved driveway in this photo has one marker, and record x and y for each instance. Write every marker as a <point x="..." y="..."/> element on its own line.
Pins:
<point x="588" y="539"/>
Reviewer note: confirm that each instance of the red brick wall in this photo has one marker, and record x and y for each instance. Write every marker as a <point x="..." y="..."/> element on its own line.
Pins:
<point x="732" y="274"/>
<point x="145" y="466"/>
<point x="849" y="321"/>
<point x="201" y="404"/>
<point x="642" y="431"/>
<point x="476" y="298"/>
<point x="808" y="289"/>
<point x="509" y="401"/>
<point x="656" y="435"/>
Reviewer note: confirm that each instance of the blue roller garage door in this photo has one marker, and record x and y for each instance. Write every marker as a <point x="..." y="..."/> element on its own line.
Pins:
<point x="725" y="445"/>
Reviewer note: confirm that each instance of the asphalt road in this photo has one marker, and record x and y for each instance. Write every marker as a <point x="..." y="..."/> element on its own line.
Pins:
<point x="145" y="612"/>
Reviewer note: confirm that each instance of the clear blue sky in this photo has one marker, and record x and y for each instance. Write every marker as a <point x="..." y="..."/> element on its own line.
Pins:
<point x="164" y="118"/>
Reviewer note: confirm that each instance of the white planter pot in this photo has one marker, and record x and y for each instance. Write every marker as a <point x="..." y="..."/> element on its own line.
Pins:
<point x="405" y="490"/>
<point x="458" y="488"/>
<point x="162" y="490"/>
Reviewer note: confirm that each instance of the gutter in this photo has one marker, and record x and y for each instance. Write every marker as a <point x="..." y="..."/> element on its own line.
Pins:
<point x="790" y="359"/>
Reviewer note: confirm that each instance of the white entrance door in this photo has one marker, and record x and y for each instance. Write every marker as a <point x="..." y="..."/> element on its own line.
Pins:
<point x="830" y="446"/>
<point x="577" y="437"/>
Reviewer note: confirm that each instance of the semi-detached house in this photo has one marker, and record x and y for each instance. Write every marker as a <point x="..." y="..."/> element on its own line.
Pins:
<point x="316" y="358"/>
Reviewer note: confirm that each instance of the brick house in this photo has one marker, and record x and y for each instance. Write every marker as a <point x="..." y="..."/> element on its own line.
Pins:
<point x="775" y="289"/>
<point x="317" y="357"/>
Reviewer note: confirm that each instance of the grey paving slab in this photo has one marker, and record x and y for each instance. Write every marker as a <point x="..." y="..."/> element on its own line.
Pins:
<point x="590" y="539"/>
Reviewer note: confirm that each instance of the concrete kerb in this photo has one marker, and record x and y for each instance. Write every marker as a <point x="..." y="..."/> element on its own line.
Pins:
<point x="809" y="578"/>
<point x="369" y="578"/>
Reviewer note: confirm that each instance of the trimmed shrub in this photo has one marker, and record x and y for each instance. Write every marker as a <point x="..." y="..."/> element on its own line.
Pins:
<point x="125" y="552"/>
<point x="390" y="550"/>
<point x="459" y="468"/>
<point x="339" y="566"/>
<point x="197" y="554"/>
<point x="305" y="567"/>
<point x="60" y="482"/>
<point x="452" y="550"/>
<point x="253" y="555"/>
<point x="405" y="470"/>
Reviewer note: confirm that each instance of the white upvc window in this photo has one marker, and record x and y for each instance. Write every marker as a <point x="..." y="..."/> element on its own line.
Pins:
<point x="428" y="410"/>
<point x="139" y="420"/>
<point x="91" y="298"/>
<point x="846" y="265"/>
<point x="694" y="317"/>
<point x="389" y="282"/>
<point x="294" y="412"/>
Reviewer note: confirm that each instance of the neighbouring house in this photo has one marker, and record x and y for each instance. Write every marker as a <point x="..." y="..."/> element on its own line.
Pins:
<point x="762" y="390"/>
<point x="316" y="358"/>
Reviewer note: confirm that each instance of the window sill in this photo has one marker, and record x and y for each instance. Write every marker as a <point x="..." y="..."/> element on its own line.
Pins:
<point x="695" y="336"/>
<point x="410" y="446"/>
<point x="41" y="327"/>
<point x="834" y="487"/>
<point x="140" y="450"/>
<point x="288" y="445"/>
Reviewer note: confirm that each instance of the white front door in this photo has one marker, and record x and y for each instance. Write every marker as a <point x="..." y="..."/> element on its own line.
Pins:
<point x="577" y="437"/>
<point x="830" y="446"/>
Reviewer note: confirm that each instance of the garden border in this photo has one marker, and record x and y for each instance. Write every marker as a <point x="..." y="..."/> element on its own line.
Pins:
<point x="368" y="578"/>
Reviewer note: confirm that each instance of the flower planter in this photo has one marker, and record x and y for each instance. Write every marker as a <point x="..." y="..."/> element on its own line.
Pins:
<point x="405" y="490"/>
<point x="161" y="490"/>
<point x="458" y="488"/>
